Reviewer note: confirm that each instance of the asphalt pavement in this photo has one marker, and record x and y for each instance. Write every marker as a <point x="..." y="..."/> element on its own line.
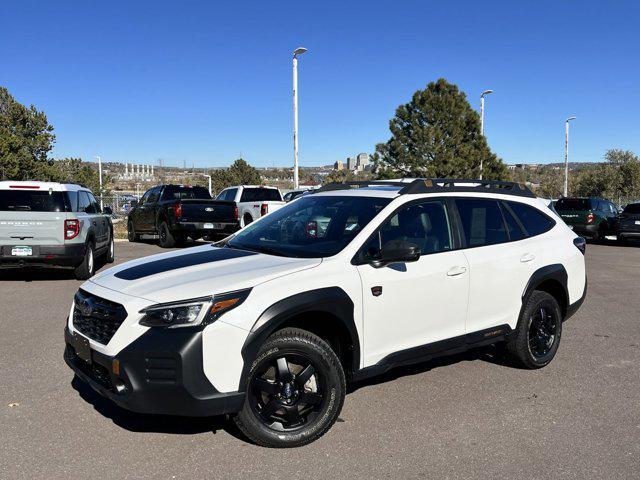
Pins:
<point x="467" y="416"/>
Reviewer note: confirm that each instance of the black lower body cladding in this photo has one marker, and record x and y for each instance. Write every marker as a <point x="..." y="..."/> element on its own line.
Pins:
<point x="160" y="373"/>
<point x="69" y="255"/>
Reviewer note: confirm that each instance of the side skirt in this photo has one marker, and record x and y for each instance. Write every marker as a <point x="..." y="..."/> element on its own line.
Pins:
<point x="426" y="352"/>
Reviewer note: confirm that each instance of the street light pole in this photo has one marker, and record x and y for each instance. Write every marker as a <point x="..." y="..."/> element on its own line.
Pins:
<point x="566" y="155"/>
<point x="486" y="92"/>
<point x="100" y="179"/>
<point x="209" y="178"/>
<point x="296" y="52"/>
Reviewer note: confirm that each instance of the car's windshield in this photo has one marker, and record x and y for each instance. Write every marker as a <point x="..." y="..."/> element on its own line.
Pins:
<point x="311" y="227"/>
<point x="573" y="204"/>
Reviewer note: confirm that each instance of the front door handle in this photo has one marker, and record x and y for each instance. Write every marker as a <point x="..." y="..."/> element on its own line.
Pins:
<point x="527" y="257"/>
<point x="455" y="271"/>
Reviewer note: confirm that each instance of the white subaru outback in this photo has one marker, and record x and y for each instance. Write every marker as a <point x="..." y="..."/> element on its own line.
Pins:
<point x="271" y="323"/>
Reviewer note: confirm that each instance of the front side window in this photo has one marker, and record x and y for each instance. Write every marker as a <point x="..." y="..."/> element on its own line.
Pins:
<point x="423" y="224"/>
<point x="95" y="206"/>
<point x="533" y="220"/>
<point x="312" y="227"/>
<point x="481" y="222"/>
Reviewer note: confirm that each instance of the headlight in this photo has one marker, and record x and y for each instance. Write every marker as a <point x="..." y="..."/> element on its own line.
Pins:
<point x="197" y="311"/>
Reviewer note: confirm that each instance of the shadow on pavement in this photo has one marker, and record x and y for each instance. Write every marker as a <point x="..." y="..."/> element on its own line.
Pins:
<point x="146" y="423"/>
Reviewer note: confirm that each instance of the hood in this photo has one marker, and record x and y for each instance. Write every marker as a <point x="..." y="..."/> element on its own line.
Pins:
<point x="197" y="272"/>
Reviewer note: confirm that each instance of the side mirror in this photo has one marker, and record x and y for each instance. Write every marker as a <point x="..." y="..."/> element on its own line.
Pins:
<point x="396" y="251"/>
<point x="107" y="211"/>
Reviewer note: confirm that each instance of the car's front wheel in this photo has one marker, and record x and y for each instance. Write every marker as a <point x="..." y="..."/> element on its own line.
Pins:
<point x="536" y="339"/>
<point x="111" y="250"/>
<point x="295" y="390"/>
<point x="86" y="269"/>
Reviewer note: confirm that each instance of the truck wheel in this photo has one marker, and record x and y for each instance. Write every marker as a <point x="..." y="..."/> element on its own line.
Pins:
<point x="536" y="339"/>
<point x="295" y="390"/>
<point x="246" y="220"/>
<point x="167" y="240"/>
<point x="85" y="270"/>
<point x="111" y="251"/>
<point x="131" y="233"/>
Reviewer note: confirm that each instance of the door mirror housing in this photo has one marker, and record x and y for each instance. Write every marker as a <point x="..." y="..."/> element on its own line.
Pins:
<point x="396" y="251"/>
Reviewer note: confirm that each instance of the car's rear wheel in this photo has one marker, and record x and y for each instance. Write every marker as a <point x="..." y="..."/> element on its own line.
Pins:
<point x="86" y="269"/>
<point x="166" y="239"/>
<point x="111" y="251"/>
<point x="246" y="220"/>
<point x="295" y="391"/>
<point x="131" y="233"/>
<point x="536" y="339"/>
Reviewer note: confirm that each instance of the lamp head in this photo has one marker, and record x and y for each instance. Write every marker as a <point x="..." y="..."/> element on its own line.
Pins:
<point x="299" y="51"/>
<point x="486" y="92"/>
<point x="571" y="118"/>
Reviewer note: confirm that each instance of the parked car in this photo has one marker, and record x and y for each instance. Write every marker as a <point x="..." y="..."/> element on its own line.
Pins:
<point x="292" y="195"/>
<point x="175" y="212"/>
<point x="252" y="201"/>
<point x="46" y="224"/>
<point x="273" y="322"/>
<point x="629" y="225"/>
<point x="590" y="217"/>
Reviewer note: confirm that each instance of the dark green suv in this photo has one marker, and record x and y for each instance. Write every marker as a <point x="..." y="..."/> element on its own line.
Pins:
<point x="589" y="217"/>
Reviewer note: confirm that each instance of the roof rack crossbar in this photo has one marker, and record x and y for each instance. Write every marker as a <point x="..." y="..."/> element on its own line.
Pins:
<point x="435" y="185"/>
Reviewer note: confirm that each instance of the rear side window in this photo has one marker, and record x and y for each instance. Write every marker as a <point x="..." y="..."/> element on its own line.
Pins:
<point x="86" y="203"/>
<point x="32" y="201"/>
<point x="260" y="195"/>
<point x="481" y="221"/>
<point x="513" y="227"/>
<point x="228" y="195"/>
<point x="533" y="220"/>
<point x="73" y="201"/>
<point x="573" y="204"/>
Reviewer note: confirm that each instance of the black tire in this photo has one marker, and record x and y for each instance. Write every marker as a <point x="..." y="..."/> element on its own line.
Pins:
<point x="131" y="233"/>
<point x="166" y="239"/>
<point x="304" y="397"/>
<point x="86" y="269"/>
<point x="110" y="256"/>
<point x="246" y="220"/>
<point x="622" y="240"/>
<point x="536" y="339"/>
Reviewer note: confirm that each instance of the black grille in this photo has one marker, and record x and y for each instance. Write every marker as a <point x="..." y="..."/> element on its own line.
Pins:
<point x="96" y="317"/>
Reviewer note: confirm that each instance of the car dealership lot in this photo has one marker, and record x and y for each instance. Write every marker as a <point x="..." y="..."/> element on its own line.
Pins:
<point x="467" y="416"/>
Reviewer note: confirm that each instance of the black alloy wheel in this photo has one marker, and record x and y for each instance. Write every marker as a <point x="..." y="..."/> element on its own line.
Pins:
<point x="287" y="392"/>
<point x="542" y="332"/>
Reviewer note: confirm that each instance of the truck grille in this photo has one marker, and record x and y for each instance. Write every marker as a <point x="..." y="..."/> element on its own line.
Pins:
<point x="96" y="317"/>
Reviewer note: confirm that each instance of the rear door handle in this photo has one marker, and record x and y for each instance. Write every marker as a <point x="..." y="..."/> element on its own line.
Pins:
<point x="527" y="257"/>
<point x="455" y="271"/>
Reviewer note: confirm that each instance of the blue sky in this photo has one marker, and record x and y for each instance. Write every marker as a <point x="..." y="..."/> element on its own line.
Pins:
<point x="206" y="82"/>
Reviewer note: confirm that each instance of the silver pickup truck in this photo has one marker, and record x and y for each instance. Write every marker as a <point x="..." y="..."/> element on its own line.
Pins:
<point x="46" y="224"/>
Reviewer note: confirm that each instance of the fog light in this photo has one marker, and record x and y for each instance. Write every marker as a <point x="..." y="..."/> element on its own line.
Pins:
<point x="115" y="367"/>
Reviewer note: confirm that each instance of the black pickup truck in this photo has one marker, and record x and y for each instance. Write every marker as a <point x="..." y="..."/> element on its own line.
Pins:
<point x="175" y="212"/>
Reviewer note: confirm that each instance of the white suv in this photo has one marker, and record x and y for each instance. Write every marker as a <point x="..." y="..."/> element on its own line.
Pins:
<point x="272" y="323"/>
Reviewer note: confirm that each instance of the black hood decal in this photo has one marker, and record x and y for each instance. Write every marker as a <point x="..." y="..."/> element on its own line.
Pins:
<point x="180" y="261"/>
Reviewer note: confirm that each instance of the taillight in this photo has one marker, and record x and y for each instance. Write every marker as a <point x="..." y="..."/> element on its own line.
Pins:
<point x="263" y="209"/>
<point x="312" y="229"/>
<point x="235" y="212"/>
<point x="581" y="244"/>
<point x="590" y="218"/>
<point x="71" y="229"/>
<point x="177" y="209"/>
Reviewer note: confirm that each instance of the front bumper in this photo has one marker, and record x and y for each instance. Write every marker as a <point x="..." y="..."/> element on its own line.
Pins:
<point x="68" y="255"/>
<point x="160" y="373"/>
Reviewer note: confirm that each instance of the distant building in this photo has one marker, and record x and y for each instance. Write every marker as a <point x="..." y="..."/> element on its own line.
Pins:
<point x="338" y="165"/>
<point x="351" y="163"/>
<point x="358" y="163"/>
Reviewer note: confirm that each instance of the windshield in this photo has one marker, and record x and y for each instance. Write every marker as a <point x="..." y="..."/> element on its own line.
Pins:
<point x="573" y="204"/>
<point x="311" y="227"/>
<point x="31" y="201"/>
<point x="632" y="209"/>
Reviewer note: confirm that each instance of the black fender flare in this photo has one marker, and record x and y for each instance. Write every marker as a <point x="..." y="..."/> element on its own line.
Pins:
<point x="331" y="300"/>
<point x="555" y="272"/>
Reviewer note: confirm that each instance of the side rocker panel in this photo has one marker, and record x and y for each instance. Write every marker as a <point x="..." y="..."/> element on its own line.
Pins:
<point x="332" y="301"/>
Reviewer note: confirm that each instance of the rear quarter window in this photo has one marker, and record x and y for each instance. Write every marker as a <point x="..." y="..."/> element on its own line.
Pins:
<point x="533" y="220"/>
<point x="260" y="195"/>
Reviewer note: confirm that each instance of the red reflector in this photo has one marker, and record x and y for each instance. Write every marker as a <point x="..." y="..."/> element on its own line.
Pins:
<point x="263" y="209"/>
<point x="31" y="187"/>
<point x="177" y="209"/>
<point x="235" y="211"/>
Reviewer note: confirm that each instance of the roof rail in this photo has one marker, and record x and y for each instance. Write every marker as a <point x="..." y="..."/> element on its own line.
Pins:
<point x="436" y="185"/>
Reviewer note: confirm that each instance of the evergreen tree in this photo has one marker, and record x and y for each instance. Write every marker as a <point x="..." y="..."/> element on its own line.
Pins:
<point x="437" y="134"/>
